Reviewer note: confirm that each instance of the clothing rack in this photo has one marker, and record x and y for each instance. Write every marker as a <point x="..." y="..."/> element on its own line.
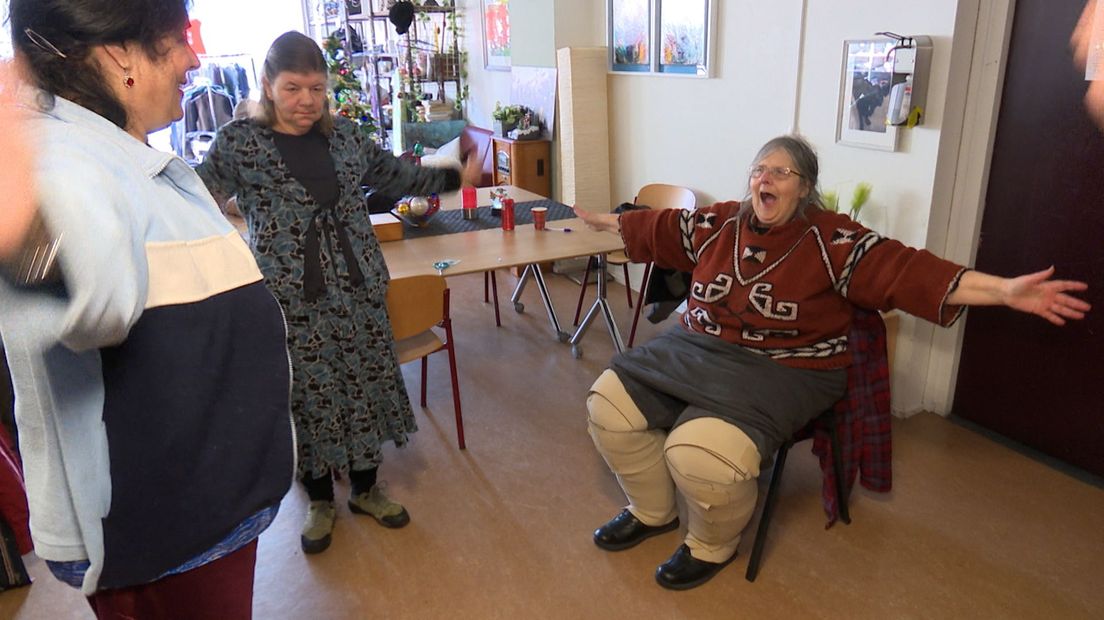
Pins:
<point x="212" y="96"/>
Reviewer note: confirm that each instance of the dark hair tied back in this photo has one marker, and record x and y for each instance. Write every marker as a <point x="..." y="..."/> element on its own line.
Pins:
<point x="56" y="39"/>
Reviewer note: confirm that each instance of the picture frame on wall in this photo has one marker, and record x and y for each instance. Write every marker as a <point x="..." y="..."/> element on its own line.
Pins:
<point x="496" y="34"/>
<point x="865" y="83"/>
<point x="670" y="37"/>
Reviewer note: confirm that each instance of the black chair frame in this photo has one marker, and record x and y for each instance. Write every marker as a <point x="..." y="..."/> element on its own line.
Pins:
<point x="829" y="418"/>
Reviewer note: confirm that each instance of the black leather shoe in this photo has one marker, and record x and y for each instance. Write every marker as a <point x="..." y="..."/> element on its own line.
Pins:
<point x="625" y="530"/>
<point x="683" y="571"/>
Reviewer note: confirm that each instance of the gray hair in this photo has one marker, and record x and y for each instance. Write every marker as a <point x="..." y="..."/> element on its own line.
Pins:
<point x="805" y="163"/>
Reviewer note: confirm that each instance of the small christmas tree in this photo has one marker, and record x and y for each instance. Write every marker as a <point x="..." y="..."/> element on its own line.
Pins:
<point x="347" y="97"/>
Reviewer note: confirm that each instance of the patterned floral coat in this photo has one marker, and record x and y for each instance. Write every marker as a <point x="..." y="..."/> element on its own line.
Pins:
<point x="348" y="395"/>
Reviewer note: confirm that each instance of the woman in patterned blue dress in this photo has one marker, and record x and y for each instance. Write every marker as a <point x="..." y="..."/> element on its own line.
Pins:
<point x="296" y="172"/>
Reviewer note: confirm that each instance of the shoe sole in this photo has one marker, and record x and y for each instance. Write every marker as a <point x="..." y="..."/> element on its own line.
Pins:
<point x="397" y="521"/>
<point x="315" y="546"/>
<point x="659" y="529"/>
<point x="697" y="582"/>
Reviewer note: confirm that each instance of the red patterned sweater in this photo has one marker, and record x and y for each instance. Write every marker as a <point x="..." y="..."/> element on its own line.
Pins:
<point x="787" y="292"/>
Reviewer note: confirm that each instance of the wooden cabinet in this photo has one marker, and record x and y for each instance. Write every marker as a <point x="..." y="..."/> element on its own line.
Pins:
<point x="523" y="163"/>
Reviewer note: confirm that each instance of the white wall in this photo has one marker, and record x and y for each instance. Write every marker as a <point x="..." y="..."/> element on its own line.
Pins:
<point x="702" y="133"/>
<point x="904" y="181"/>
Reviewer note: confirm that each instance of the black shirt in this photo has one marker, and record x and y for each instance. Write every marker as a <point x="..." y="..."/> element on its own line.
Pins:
<point x="309" y="160"/>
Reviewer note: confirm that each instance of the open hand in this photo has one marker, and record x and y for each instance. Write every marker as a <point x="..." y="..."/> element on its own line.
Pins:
<point x="597" y="221"/>
<point x="1036" y="293"/>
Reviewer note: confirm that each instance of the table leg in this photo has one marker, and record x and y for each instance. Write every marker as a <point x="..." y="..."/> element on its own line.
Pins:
<point x="534" y="271"/>
<point x="600" y="305"/>
<point x="519" y="288"/>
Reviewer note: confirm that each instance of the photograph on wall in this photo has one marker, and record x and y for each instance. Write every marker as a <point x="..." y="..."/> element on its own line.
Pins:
<point x="630" y="32"/>
<point x="496" y="34"/>
<point x="683" y="32"/>
<point x="864" y="95"/>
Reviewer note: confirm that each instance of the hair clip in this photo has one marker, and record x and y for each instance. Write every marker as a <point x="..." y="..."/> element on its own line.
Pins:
<point x="43" y="43"/>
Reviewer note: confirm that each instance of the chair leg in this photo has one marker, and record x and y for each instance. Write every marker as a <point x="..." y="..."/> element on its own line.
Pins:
<point x="582" y="290"/>
<point x="494" y="290"/>
<point x="628" y="289"/>
<point x="425" y="374"/>
<point x="768" y="512"/>
<point x="486" y="287"/>
<point x="837" y="466"/>
<point x="455" y="390"/>
<point x="640" y="303"/>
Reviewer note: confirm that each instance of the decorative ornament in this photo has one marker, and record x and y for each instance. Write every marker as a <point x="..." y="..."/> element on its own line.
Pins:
<point x="128" y="80"/>
<point x="418" y="206"/>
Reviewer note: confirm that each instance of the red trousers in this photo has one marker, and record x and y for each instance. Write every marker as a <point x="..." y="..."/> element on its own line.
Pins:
<point x="219" y="590"/>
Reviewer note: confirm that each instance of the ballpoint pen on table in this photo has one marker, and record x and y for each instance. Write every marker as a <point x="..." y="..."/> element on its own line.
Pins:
<point x="553" y="228"/>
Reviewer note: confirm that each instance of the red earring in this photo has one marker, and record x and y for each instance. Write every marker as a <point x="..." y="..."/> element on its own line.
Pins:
<point x="127" y="79"/>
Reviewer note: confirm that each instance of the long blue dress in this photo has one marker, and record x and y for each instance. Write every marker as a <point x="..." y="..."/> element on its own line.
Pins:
<point x="348" y="395"/>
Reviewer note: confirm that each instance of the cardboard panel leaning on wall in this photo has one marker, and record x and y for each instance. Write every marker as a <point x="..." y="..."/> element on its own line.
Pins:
<point x="584" y="128"/>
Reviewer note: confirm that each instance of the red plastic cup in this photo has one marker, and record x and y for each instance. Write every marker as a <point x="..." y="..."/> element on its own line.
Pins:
<point x="540" y="216"/>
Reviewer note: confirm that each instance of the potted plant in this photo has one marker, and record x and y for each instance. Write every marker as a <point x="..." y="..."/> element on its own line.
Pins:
<point x="507" y="117"/>
<point x="859" y="198"/>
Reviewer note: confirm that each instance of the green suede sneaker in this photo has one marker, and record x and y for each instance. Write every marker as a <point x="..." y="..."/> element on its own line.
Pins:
<point x="318" y="527"/>
<point x="378" y="506"/>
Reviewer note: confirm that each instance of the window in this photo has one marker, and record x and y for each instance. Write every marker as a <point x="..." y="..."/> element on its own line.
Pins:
<point x="658" y="36"/>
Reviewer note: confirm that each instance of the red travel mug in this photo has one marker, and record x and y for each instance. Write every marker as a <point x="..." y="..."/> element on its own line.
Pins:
<point x="469" y="202"/>
<point x="507" y="214"/>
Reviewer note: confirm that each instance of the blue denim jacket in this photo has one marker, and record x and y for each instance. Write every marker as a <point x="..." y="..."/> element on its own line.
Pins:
<point x="152" y="386"/>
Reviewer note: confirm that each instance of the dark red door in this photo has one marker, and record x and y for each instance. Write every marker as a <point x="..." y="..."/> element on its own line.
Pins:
<point x="1020" y="376"/>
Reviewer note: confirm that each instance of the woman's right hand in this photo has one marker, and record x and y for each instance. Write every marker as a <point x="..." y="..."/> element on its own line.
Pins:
<point x="607" y="222"/>
<point x="471" y="175"/>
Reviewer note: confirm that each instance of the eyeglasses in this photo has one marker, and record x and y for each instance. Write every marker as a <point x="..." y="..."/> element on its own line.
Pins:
<point x="778" y="173"/>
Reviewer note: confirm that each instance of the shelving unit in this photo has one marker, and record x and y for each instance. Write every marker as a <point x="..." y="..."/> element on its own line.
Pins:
<point x="428" y="56"/>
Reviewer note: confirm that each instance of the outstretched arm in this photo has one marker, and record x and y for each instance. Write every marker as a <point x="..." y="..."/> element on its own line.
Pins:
<point x="606" y="222"/>
<point x="1033" y="293"/>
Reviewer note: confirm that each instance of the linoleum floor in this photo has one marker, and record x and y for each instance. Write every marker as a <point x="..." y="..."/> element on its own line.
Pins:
<point x="972" y="528"/>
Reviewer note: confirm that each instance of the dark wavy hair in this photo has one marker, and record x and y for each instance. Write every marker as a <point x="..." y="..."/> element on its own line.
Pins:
<point x="73" y="28"/>
<point x="296" y="52"/>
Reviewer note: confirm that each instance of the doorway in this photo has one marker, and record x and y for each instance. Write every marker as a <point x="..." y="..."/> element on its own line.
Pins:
<point x="1019" y="376"/>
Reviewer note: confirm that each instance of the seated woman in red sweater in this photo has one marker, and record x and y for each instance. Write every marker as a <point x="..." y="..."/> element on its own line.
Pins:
<point x="761" y="350"/>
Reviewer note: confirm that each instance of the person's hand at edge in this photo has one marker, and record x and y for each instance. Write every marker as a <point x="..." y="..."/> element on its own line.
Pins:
<point x="19" y="210"/>
<point x="471" y="174"/>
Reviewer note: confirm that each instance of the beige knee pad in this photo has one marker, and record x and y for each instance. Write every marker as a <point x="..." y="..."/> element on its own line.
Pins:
<point x="633" y="453"/>
<point x="715" y="466"/>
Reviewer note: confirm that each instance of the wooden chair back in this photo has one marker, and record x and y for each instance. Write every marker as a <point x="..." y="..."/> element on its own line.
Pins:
<point x="664" y="196"/>
<point x="415" y="304"/>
